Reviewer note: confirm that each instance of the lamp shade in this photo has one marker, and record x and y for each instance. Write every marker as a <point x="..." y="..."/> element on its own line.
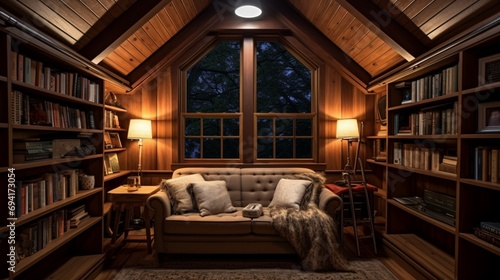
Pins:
<point x="248" y="8"/>
<point x="347" y="128"/>
<point x="140" y="129"/>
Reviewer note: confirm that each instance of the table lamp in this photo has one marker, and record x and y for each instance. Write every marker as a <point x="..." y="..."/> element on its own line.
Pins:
<point x="139" y="129"/>
<point x="347" y="129"/>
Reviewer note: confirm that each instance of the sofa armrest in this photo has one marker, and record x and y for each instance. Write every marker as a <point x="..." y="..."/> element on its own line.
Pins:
<point x="329" y="202"/>
<point x="160" y="203"/>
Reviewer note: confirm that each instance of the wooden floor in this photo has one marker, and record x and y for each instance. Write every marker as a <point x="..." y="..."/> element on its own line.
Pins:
<point x="137" y="251"/>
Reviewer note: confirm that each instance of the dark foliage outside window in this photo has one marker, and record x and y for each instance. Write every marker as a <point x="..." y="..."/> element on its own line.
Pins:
<point x="284" y="112"/>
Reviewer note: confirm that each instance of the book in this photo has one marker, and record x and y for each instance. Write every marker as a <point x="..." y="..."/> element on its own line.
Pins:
<point x="450" y="168"/>
<point x="487" y="236"/>
<point x="493" y="227"/>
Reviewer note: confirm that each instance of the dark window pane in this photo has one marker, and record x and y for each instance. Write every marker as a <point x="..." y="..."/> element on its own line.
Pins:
<point x="303" y="148"/>
<point x="283" y="82"/>
<point x="231" y="127"/>
<point x="304" y="127"/>
<point x="211" y="148"/>
<point x="284" y="148"/>
<point x="211" y="127"/>
<point x="192" y="148"/>
<point x="213" y="83"/>
<point x="231" y="148"/>
<point x="284" y="127"/>
<point x="265" y="127"/>
<point x="265" y="148"/>
<point x="192" y="127"/>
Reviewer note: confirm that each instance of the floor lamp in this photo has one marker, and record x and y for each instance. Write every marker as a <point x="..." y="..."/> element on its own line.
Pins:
<point x="139" y="129"/>
<point x="347" y="129"/>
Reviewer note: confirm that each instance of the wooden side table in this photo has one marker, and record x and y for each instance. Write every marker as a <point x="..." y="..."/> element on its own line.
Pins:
<point x="124" y="200"/>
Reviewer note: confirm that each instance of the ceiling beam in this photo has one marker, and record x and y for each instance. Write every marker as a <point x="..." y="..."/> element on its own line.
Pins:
<point x="381" y="22"/>
<point x="121" y="29"/>
<point x="319" y="43"/>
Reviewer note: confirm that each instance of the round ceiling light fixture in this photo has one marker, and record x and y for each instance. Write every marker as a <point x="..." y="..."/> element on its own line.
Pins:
<point x="248" y="9"/>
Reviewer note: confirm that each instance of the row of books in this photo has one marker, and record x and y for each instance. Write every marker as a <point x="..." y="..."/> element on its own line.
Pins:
<point x="415" y="156"/>
<point x="25" y="151"/>
<point x="28" y="70"/>
<point x="111" y="119"/>
<point x="489" y="232"/>
<point x="38" y="234"/>
<point x="437" y="84"/>
<point x="428" y="121"/>
<point x="35" y="111"/>
<point x="486" y="166"/>
<point x="40" y="192"/>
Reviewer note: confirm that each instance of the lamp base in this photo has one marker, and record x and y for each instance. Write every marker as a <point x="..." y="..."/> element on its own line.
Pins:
<point x="132" y="189"/>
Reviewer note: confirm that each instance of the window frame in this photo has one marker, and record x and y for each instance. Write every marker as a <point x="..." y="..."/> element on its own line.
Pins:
<point x="249" y="116"/>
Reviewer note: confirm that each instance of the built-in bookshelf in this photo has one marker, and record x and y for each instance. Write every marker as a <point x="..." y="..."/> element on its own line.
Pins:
<point x="52" y="127"/>
<point x="442" y="169"/>
<point x="115" y="159"/>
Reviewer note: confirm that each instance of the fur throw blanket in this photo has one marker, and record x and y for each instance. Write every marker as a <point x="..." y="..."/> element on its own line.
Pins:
<point x="311" y="231"/>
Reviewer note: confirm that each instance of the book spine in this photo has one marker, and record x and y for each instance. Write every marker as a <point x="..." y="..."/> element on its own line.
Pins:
<point x="489" y="227"/>
<point x="486" y="236"/>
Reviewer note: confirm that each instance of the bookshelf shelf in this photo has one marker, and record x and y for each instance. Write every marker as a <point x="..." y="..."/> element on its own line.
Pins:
<point x="482" y="184"/>
<point x="114" y="108"/>
<point x="51" y="247"/>
<point x="54" y="129"/>
<point x="117" y="175"/>
<point x="483" y="244"/>
<point x="426" y="102"/>
<point x="431" y="261"/>
<point x="423" y="217"/>
<point x="41" y="163"/>
<point x="372" y="161"/>
<point x="437" y="174"/>
<point x="38" y="213"/>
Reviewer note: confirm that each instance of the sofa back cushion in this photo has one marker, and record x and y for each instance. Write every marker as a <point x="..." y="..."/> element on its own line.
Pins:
<point x="258" y="184"/>
<point x="229" y="174"/>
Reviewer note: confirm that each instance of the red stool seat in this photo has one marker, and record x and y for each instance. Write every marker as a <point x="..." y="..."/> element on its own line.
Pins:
<point x="338" y="190"/>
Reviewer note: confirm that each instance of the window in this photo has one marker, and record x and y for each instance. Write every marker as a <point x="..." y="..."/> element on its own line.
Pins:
<point x="283" y="113"/>
<point x="284" y="107"/>
<point x="212" y="116"/>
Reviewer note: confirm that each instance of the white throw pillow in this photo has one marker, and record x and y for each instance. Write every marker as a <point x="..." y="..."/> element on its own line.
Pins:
<point x="289" y="193"/>
<point x="180" y="194"/>
<point x="212" y="197"/>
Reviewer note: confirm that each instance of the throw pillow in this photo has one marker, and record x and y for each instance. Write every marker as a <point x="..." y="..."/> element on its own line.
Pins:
<point x="289" y="193"/>
<point x="180" y="193"/>
<point x="212" y="197"/>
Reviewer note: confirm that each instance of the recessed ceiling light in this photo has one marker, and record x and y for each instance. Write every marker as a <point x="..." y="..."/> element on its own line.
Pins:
<point x="248" y="9"/>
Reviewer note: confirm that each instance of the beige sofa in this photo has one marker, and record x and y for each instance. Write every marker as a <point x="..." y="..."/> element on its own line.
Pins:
<point x="229" y="233"/>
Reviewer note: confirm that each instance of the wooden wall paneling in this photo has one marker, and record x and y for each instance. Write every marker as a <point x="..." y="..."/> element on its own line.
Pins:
<point x="333" y="112"/>
<point x="133" y="103"/>
<point x="149" y="112"/>
<point x="164" y="120"/>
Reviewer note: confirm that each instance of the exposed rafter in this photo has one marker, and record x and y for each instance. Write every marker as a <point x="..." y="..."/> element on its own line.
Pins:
<point x="381" y="23"/>
<point x="122" y="28"/>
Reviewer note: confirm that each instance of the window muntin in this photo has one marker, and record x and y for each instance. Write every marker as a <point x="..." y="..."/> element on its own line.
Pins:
<point x="284" y="114"/>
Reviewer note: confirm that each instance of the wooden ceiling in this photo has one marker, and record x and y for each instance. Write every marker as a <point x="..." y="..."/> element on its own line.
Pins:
<point x="377" y="36"/>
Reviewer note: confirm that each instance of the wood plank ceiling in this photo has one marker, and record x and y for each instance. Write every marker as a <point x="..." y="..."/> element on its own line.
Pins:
<point x="378" y="35"/>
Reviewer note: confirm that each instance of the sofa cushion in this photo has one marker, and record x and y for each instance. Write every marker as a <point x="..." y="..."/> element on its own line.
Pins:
<point x="212" y="197"/>
<point x="226" y="224"/>
<point x="263" y="225"/>
<point x="180" y="194"/>
<point x="289" y="193"/>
